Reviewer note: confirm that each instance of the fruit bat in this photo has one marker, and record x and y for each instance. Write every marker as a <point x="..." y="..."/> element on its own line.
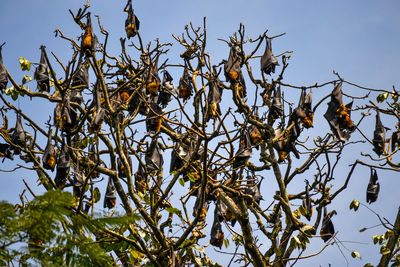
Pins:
<point x="154" y="119"/>
<point x="49" y="156"/>
<point x="93" y="156"/>
<point x="304" y="111"/>
<point x="99" y="113"/>
<point x="153" y="81"/>
<point x="338" y="115"/>
<point x="395" y="139"/>
<point x="89" y="40"/>
<point x="111" y="197"/>
<point x="69" y="115"/>
<point x="81" y="75"/>
<point x="132" y="23"/>
<point x="373" y="187"/>
<point x="255" y="135"/>
<point x="214" y="98"/>
<point x="327" y="229"/>
<point x="121" y="167"/>
<point x="285" y="144"/>
<point x="217" y="236"/>
<point x="197" y="207"/>
<point x="18" y="137"/>
<point x="140" y="181"/>
<point x="276" y="109"/>
<point x="185" y="86"/>
<point x="253" y="189"/>
<point x="233" y="72"/>
<point x="167" y="89"/>
<point x="379" y="136"/>
<point x="41" y="75"/>
<point x="139" y="102"/>
<point x="3" y="72"/>
<point x="223" y="213"/>
<point x="268" y="61"/>
<point x="78" y="182"/>
<point x="5" y="152"/>
<point x="154" y="159"/>
<point x="178" y="157"/>
<point x="124" y="93"/>
<point x="63" y="167"/>
<point x="244" y="152"/>
<point x="308" y="209"/>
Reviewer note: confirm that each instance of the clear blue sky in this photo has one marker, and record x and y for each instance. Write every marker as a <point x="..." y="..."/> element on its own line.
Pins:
<point x="358" y="39"/>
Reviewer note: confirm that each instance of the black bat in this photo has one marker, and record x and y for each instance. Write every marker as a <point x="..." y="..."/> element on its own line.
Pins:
<point x="63" y="167"/>
<point x="154" y="158"/>
<point x="153" y="81"/>
<point x="93" y="156"/>
<point x="69" y="115"/>
<point x="18" y="137"/>
<point x="217" y="236"/>
<point x="244" y="151"/>
<point x="304" y="110"/>
<point x="307" y="205"/>
<point x="327" y="229"/>
<point x="276" y="109"/>
<point x="223" y="213"/>
<point x="139" y="103"/>
<point x="141" y="183"/>
<point x="49" y="156"/>
<point x="122" y="172"/>
<point x="379" y="136"/>
<point x="373" y="187"/>
<point x="81" y="75"/>
<point x="395" y="139"/>
<point x="255" y="136"/>
<point x="268" y="61"/>
<point x="41" y="75"/>
<point x="5" y="152"/>
<point x="185" y="86"/>
<point x="99" y="114"/>
<point x="178" y="156"/>
<point x="233" y="72"/>
<point x="166" y="91"/>
<point x="253" y="189"/>
<point x="78" y="182"/>
<point x="110" y="197"/>
<point x="286" y="143"/>
<point x="132" y="23"/>
<point x="3" y="72"/>
<point x="154" y="119"/>
<point x="214" y="98"/>
<point x="203" y="209"/>
<point x="89" y="39"/>
<point x="338" y="115"/>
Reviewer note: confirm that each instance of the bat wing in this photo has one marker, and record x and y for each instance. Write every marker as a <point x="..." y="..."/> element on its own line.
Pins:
<point x="268" y="61"/>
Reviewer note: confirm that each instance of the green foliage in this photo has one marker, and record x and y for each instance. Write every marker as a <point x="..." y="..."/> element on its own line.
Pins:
<point x="354" y="205"/>
<point x="48" y="232"/>
<point x="355" y="254"/>
<point x="24" y="64"/>
<point x="382" y="97"/>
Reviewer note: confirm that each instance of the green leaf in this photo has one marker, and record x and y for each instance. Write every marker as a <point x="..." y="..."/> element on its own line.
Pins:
<point x="96" y="195"/>
<point x="26" y="78"/>
<point x="354" y="205"/>
<point x="24" y="64"/>
<point x="296" y="214"/>
<point x="385" y="250"/>
<point x="191" y="177"/>
<point x="302" y="211"/>
<point x="368" y="265"/>
<point x="382" y="97"/>
<point x="226" y="243"/>
<point x="395" y="96"/>
<point x="355" y="254"/>
<point x="363" y="229"/>
<point x="182" y="181"/>
<point x="388" y="234"/>
<point x="174" y="211"/>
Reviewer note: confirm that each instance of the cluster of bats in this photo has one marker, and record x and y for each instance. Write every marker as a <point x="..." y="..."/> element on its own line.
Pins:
<point x="150" y="101"/>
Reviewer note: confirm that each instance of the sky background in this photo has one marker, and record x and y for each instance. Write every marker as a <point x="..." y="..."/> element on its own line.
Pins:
<point x="358" y="39"/>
